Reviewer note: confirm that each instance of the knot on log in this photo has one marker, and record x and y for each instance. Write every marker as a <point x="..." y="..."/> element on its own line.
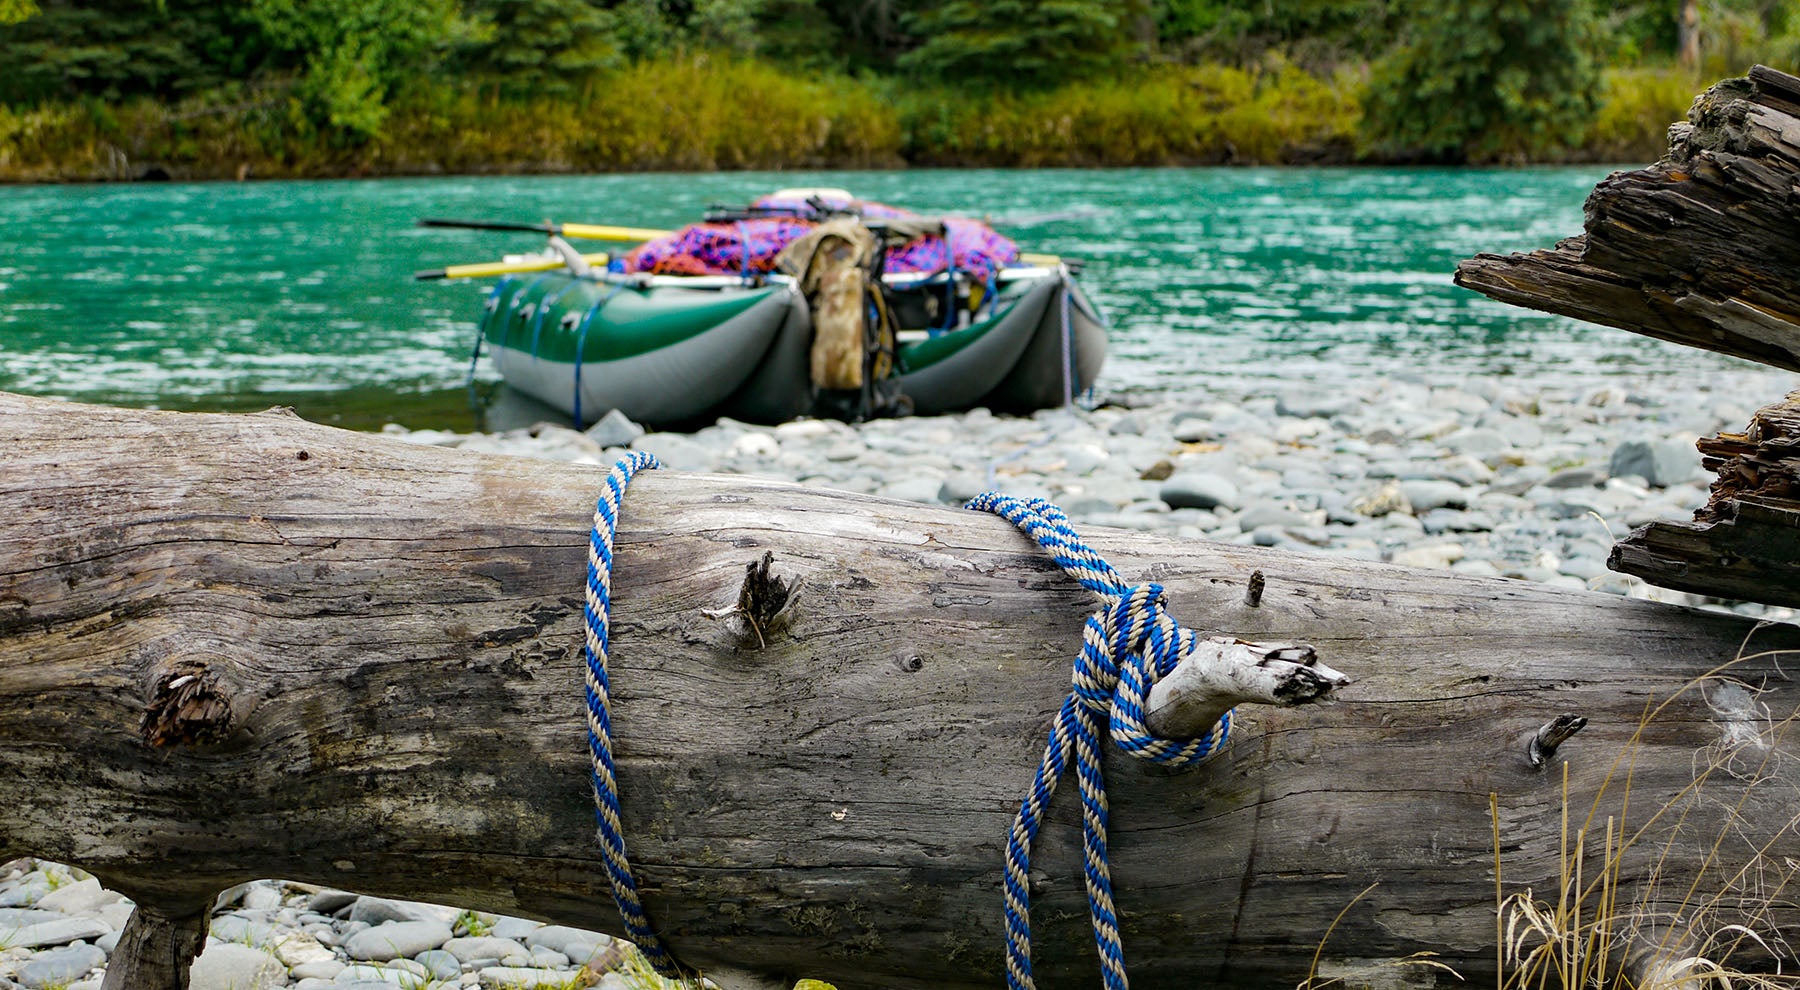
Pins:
<point x="762" y="601"/>
<point x="1541" y="749"/>
<point x="187" y="707"/>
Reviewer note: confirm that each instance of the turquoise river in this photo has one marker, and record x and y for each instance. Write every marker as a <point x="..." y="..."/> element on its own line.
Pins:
<point x="243" y="295"/>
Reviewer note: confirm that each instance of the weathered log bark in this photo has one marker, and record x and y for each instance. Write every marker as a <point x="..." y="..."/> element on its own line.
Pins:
<point x="1745" y="542"/>
<point x="234" y="647"/>
<point x="1699" y="248"/>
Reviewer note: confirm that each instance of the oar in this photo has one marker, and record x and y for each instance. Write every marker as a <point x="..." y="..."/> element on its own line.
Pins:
<point x="489" y="269"/>
<point x="585" y="231"/>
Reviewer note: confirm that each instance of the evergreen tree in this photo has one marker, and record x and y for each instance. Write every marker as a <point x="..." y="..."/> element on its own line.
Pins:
<point x="1018" y="42"/>
<point x="543" y="46"/>
<point x="1485" y="75"/>
<point x="114" y="49"/>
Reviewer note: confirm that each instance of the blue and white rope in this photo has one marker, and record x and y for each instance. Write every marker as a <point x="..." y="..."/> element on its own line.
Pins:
<point x="597" y="612"/>
<point x="1126" y="646"/>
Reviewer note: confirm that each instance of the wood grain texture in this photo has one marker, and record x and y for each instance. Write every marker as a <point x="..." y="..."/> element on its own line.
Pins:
<point x="385" y="641"/>
<point x="1745" y="542"/>
<point x="1699" y="248"/>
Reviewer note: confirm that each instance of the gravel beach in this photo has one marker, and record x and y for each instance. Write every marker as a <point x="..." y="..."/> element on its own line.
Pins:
<point x="1497" y="477"/>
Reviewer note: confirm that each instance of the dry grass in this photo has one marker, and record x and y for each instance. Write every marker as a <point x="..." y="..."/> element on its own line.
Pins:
<point x="1716" y="928"/>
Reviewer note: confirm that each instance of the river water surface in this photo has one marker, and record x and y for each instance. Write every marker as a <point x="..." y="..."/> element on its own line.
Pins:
<point x="236" y="295"/>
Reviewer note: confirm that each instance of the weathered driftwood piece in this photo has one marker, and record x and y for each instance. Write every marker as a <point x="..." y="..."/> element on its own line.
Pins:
<point x="234" y="647"/>
<point x="1745" y="542"/>
<point x="1699" y="248"/>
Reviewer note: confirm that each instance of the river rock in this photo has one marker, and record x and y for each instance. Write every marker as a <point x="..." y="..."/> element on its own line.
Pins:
<point x="59" y="932"/>
<point x="396" y="940"/>
<point x="80" y="897"/>
<point x="330" y="901"/>
<point x="244" y="931"/>
<point x="615" y="429"/>
<point x="578" y="944"/>
<point x="1196" y="490"/>
<point x="228" y="966"/>
<point x="524" y="978"/>
<point x="59" y="967"/>
<point x="1424" y="495"/>
<point x="1439" y="555"/>
<point x="443" y="965"/>
<point x="1660" y="462"/>
<point x="467" y="950"/>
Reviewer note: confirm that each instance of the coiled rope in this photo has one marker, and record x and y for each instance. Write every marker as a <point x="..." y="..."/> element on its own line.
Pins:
<point x="598" y="615"/>
<point x="1126" y="647"/>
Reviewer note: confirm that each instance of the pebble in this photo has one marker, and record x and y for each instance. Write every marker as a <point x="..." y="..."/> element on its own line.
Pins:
<point x="229" y="966"/>
<point x="61" y="965"/>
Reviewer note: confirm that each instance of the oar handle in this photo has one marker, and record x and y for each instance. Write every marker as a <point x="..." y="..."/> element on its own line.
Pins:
<point x="490" y="269"/>
<point x="585" y="231"/>
<point x="598" y="232"/>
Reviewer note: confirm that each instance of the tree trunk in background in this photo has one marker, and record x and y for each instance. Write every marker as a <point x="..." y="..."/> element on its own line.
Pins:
<point x="246" y="646"/>
<point x="1687" y="35"/>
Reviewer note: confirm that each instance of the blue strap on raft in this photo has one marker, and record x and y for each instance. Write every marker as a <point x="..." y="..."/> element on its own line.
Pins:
<point x="1127" y="645"/>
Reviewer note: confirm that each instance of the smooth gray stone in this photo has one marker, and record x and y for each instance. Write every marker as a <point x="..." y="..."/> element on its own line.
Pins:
<point x="1425" y="495"/>
<point x="1576" y="477"/>
<point x="244" y="931"/>
<point x="578" y="944"/>
<point x="323" y="970"/>
<point x="58" y="967"/>
<point x="1478" y="442"/>
<point x="330" y="901"/>
<point x="468" y="950"/>
<point x="677" y="451"/>
<point x="11" y="918"/>
<point x="518" y="928"/>
<point x="1585" y="568"/>
<point x="236" y="967"/>
<point x="548" y="958"/>
<point x="1264" y="515"/>
<point x="397" y="940"/>
<point x="1661" y="463"/>
<point x="615" y="429"/>
<point x="55" y="933"/>
<point x="1194" y="490"/>
<point x="1313" y="405"/>
<point x="1129" y="425"/>
<point x="443" y="965"/>
<point x="23" y="894"/>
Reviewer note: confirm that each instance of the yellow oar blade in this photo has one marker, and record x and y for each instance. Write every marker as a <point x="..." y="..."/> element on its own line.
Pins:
<point x="489" y="269"/>
<point x="1041" y="260"/>
<point x="600" y="232"/>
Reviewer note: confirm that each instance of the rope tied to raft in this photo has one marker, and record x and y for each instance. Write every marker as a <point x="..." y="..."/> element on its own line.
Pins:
<point x="597" y="611"/>
<point x="1127" y="645"/>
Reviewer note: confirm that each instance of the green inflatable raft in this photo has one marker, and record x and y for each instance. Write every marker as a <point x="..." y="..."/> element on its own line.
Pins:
<point x="675" y="350"/>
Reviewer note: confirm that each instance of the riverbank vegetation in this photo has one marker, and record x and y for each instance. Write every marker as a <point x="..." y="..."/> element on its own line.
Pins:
<point x="127" y="89"/>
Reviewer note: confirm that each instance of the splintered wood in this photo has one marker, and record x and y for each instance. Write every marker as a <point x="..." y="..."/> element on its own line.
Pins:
<point x="1745" y="542"/>
<point x="1699" y="248"/>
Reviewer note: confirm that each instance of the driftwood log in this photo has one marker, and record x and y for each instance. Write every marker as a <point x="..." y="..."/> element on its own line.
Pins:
<point x="1702" y="248"/>
<point x="248" y="646"/>
<point x="1699" y="248"/>
<point x="1745" y="542"/>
